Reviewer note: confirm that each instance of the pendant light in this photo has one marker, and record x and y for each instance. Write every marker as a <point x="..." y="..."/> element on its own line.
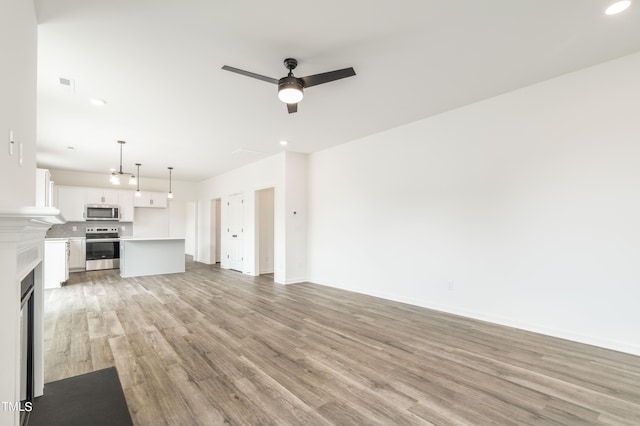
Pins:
<point x="115" y="174"/>
<point x="138" y="193"/>
<point x="170" y="194"/>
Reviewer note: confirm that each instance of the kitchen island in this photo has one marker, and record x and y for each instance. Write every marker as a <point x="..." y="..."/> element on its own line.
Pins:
<point x="140" y="256"/>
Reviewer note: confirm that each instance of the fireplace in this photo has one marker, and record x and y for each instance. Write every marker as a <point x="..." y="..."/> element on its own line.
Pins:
<point x="22" y="233"/>
<point x="27" y="310"/>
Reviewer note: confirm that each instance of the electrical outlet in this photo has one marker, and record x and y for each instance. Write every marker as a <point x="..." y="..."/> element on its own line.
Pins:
<point x="74" y="228"/>
<point x="124" y="228"/>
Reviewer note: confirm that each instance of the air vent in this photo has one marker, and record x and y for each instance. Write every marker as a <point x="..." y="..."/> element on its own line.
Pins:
<point x="67" y="84"/>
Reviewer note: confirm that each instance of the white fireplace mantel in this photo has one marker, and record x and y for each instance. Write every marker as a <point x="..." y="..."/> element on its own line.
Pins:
<point x="46" y="216"/>
<point x="22" y="232"/>
<point x="25" y="228"/>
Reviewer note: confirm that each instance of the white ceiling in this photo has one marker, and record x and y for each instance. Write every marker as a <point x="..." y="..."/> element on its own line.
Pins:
<point x="157" y="64"/>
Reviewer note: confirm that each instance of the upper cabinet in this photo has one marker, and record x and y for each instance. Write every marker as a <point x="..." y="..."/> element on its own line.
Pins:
<point x="150" y="199"/>
<point x="102" y="196"/>
<point x="125" y="201"/>
<point x="44" y="188"/>
<point x="71" y="202"/>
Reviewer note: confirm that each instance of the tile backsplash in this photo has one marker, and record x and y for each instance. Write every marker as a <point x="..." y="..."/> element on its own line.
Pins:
<point x="67" y="230"/>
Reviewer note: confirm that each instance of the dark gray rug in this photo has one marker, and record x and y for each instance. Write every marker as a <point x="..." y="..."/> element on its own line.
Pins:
<point x="94" y="399"/>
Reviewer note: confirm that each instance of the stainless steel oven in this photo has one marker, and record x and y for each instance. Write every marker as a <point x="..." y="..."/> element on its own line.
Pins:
<point x="103" y="248"/>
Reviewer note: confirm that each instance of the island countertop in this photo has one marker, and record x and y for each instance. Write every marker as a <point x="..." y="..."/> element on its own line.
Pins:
<point x="140" y="256"/>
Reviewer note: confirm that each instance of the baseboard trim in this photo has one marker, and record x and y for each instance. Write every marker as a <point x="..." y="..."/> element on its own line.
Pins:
<point x="629" y="348"/>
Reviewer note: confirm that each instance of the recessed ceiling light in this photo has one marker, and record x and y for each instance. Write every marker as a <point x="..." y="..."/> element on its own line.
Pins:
<point x="618" y="7"/>
<point x="98" y="102"/>
<point x="283" y="142"/>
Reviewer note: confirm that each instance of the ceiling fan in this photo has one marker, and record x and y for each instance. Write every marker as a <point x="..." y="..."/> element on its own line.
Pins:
<point x="291" y="88"/>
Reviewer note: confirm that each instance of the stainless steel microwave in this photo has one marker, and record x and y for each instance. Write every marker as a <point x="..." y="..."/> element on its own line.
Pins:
<point x="102" y="212"/>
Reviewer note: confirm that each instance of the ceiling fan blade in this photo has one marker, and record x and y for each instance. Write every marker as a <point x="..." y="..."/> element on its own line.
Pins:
<point x="326" y="77"/>
<point x="250" y="74"/>
<point x="292" y="108"/>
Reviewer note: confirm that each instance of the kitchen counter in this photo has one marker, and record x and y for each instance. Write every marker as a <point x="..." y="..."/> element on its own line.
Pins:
<point x="140" y="256"/>
<point x="56" y="262"/>
<point x="149" y="238"/>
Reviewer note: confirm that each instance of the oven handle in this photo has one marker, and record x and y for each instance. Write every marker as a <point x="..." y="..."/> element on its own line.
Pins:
<point x="103" y="240"/>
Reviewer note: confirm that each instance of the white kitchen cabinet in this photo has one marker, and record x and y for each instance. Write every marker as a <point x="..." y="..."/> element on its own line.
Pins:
<point x="102" y="196"/>
<point x="56" y="262"/>
<point x="44" y="186"/>
<point x="77" y="254"/>
<point x="151" y="199"/>
<point x="71" y="202"/>
<point x="125" y="201"/>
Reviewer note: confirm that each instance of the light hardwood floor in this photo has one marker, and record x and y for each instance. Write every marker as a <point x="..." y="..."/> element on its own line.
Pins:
<point x="217" y="347"/>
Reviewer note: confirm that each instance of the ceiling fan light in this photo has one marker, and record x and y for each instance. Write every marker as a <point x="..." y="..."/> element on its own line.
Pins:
<point x="115" y="179"/>
<point x="290" y="95"/>
<point x="290" y="90"/>
<point x="133" y="180"/>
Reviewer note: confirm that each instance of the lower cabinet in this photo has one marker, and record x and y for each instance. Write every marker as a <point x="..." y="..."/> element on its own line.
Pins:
<point x="77" y="254"/>
<point x="56" y="262"/>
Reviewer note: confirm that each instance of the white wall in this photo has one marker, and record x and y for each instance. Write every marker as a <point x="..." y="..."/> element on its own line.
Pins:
<point x="264" y="234"/>
<point x="191" y="228"/>
<point x="203" y="231"/>
<point x="218" y="230"/>
<point x="245" y="180"/>
<point x="526" y="205"/>
<point x="148" y="222"/>
<point x="295" y="217"/>
<point x="18" y="102"/>
<point x="286" y="173"/>
<point x="215" y="230"/>
<point x="18" y="33"/>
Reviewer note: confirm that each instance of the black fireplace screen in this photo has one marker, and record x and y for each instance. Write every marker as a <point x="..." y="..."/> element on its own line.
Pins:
<point x="26" y="346"/>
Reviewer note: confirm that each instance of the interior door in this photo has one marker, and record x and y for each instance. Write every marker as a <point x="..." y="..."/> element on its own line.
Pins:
<point x="235" y="232"/>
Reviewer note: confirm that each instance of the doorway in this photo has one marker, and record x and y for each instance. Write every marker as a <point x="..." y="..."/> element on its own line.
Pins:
<point x="235" y="232"/>
<point x="265" y="231"/>
<point x="215" y="235"/>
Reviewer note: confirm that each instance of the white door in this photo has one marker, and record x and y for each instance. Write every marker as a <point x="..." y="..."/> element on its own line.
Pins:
<point x="235" y="232"/>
